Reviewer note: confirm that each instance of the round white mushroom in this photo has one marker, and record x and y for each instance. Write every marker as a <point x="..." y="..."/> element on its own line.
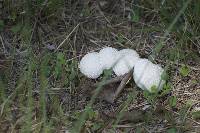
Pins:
<point x="90" y="65"/>
<point x="107" y="57"/>
<point x="125" y="61"/>
<point x="148" y="75"/>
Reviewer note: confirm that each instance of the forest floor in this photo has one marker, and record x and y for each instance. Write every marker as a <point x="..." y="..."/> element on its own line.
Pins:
<point x="41" y="81"/>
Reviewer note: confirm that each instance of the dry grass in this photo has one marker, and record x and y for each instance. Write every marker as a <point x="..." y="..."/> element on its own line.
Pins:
<point x="81" y="27"/>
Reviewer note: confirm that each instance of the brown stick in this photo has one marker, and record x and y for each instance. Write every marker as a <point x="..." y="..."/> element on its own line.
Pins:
<point x="123" y="83"/>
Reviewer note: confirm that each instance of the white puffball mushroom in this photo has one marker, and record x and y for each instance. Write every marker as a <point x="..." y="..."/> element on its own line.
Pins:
<point x="130" y="55"/>
<point x="90" y="65"/>
<point x="147" y="75"/>
<point x="107" y="57"/>
<point x="125" y="61"/>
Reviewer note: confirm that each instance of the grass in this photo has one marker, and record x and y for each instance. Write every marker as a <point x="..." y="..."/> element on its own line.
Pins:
<point x="42" y="90"/>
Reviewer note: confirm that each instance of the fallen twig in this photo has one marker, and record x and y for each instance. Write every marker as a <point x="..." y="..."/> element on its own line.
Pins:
<point x="123" y="83"/>
<point x="67" y="37"/>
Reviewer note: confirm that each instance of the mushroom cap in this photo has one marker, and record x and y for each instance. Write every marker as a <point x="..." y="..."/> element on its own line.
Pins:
<point x="90" y="65"/>
<point x="126" y="60"/>
<point x="107" y="57"/>
<point x="147" y="75"/>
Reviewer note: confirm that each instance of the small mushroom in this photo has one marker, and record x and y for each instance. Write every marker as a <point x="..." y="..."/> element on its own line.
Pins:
<point x="107" y="57"/>
<point x="148" y="75"/>
<point x="90" y="65"/>
<point x="125" y="61"/>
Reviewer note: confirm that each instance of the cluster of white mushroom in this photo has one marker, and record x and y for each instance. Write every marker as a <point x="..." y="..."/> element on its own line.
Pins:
<point x="146" y="74"/>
